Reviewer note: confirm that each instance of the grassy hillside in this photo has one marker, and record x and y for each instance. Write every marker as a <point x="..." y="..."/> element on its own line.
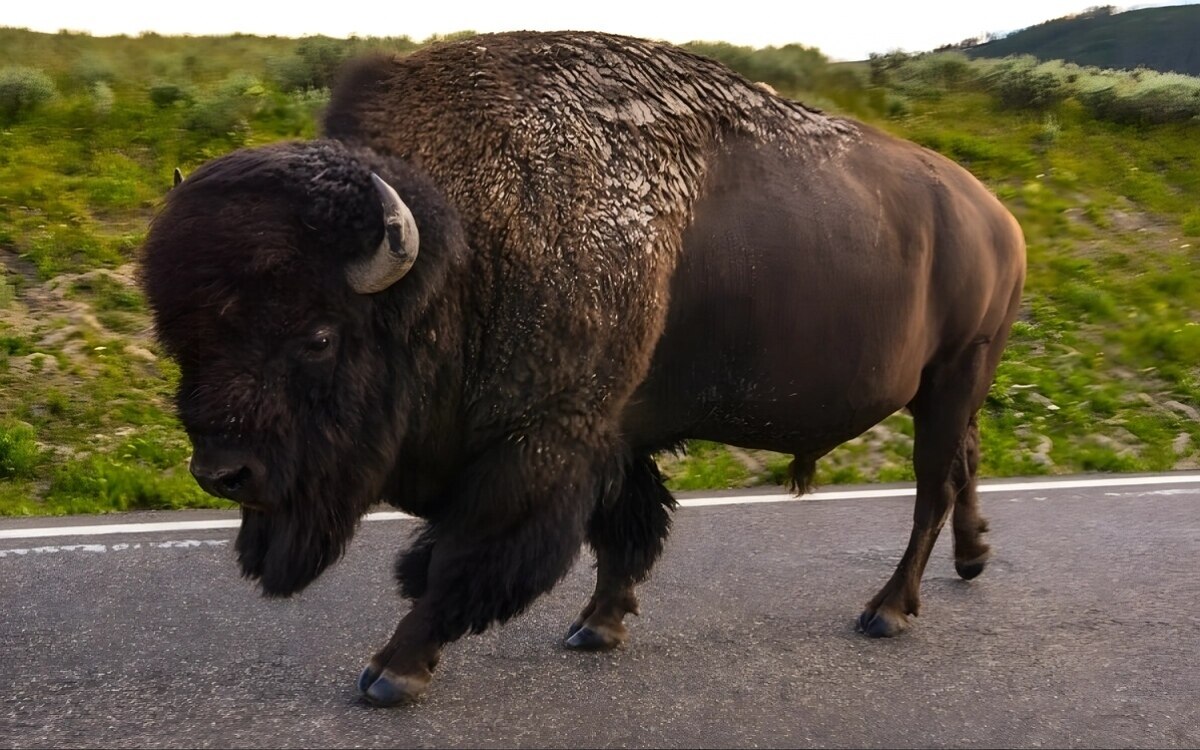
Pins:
<point x="1162" y="39"/>
<point x="1101" y="375"/>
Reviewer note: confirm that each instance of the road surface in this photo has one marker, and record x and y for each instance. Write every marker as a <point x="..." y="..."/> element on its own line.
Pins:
<point x="1084" y="631"/>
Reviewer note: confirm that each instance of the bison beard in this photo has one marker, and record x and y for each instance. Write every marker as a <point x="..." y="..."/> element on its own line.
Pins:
<point x="295" y="536"/>
<point x="523" y="264"/>
<point x="285" y="552"/>
<point x="283" y="555"/>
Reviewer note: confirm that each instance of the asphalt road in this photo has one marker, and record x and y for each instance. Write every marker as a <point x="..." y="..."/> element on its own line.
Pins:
<point x="1084" y="631"/>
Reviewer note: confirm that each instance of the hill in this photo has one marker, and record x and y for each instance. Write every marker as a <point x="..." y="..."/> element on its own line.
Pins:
<point x="1164" y="39"/>
<point x="1101" y="169"/>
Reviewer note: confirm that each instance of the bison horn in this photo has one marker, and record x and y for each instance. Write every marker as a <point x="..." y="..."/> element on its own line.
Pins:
<point x="396" y="252"/>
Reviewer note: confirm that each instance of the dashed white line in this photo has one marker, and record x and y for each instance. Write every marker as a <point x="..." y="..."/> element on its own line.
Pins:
<point x="1152" y="493"/>
<point x="98" y="548"/>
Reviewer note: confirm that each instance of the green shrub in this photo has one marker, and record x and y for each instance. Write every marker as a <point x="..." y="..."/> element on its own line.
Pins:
<point x="23" y="90"/>
<point x="313" y="66"/>
<point x="1094" y="303"/>
<point x="883" y="64"/>
<point x="1050" y="131"/>
<point x="1191" y="224"/>
<point x="293" y="115"/>
<point x="15" y="346"/>
<point x="165" y="94"/>
<point x="57" y="403"/>
<point x="927" y="76"/>
<point x="944" y="69"/>
<point x="226" y="112"/>
<point x="290" y="74"/>
<point x="1139" y="97"/>
<point x="102" y="97"/>
<point x="1023" y="83"/>
<point x="91" y="69"/>
<point x="895" y="105"/>
<point x="1166" y="97"/>
<point x="19" y="453"/>
<point x="791" y="67"/>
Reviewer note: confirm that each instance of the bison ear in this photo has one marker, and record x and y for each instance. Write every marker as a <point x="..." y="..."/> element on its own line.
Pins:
<point x="395" y="254"/>
<point x="178" y="178"/>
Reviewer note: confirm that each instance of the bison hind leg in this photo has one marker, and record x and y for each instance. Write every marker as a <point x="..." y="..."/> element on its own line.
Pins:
<point x="412" y="565"/>
<point x="971" y="553"/>
<point x="945" y="460"/>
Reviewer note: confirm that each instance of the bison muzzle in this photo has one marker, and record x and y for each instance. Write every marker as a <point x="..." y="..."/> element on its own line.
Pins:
<point x="518" y="266"/>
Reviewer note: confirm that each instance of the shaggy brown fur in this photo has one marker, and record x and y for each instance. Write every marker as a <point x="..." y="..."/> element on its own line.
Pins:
<point x="622" y="246"/>
<point x="541" y="141"/>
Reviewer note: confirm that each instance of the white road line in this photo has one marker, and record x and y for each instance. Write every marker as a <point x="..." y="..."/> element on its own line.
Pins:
<point x="1150" y="493"/>
<point x="690" y="502"/>
<point x="99" y="548"/>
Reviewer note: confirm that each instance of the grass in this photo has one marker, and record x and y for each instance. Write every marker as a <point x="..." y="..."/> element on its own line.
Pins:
<point x="706" y="465"/>
<point x="1099" y="365"/>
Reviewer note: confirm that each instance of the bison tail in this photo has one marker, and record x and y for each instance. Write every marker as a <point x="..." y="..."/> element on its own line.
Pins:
<point x="801" y="473"/>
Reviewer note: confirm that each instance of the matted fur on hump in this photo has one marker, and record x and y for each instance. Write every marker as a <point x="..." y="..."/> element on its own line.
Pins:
<point x="634" y="120"/>
<point x="574" y="160"/>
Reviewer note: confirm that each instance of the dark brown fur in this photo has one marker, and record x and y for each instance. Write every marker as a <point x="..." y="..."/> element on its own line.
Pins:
<point x="623" y="246"/>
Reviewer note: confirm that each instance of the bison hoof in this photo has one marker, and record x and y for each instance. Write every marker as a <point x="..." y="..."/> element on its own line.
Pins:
<point x="880" y="624"/>
<point x="583" y="638"/>
<point x="367" y="678"/>
<point x="391" y="689"/>
<point x="969" y="570"/>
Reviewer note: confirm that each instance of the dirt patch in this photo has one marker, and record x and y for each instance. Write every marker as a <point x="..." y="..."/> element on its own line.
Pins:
<point x="57" y="323"/>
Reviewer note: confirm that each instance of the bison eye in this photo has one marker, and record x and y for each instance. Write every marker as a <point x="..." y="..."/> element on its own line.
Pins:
<point x="319" y="344"/>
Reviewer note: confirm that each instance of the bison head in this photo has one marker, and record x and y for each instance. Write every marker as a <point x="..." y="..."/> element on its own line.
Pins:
<point x="274" y="275"/>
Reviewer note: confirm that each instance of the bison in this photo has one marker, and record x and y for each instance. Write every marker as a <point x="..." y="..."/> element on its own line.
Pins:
<point x="515" y="268"/>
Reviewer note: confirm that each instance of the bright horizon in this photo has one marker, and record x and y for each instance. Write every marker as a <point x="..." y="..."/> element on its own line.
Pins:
<point x="842" y="31"/>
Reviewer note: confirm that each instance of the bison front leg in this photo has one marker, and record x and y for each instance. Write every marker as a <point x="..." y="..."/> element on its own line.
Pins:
<point x="404" y="668"/>
<point x="508" y="534"/>
<point x="627" y="534"/>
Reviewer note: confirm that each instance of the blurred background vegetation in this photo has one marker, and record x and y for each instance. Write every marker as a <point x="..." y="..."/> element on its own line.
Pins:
<point x="1101" y="167"/>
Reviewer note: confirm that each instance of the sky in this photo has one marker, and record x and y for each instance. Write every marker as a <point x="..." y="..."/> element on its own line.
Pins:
<point x="842" y="29"/>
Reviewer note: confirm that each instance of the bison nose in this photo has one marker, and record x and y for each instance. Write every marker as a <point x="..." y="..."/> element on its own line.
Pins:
<point x="230" y="478"/>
